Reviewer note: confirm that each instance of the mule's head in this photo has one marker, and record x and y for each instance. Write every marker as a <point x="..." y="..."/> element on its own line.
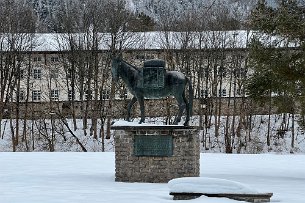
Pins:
<point x="116" y="63"/>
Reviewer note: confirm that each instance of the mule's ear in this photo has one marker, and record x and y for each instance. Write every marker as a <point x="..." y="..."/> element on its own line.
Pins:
<point x="116" y="55"/>
<point x="113" y="55"/>
<point x="119" y="55"/>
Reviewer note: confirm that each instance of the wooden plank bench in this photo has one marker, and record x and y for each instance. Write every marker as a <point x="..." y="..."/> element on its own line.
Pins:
<point x="260" y="197"/>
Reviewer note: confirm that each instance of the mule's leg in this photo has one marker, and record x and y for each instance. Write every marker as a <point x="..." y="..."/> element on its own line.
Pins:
<point x="142" y="109"/>
<point x="131" y="103"/>
<point x="187" y="109"/>
<point x="181" y="105"/>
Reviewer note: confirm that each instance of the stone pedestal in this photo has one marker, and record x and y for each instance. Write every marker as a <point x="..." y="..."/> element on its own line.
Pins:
<point x="155" y="154"/>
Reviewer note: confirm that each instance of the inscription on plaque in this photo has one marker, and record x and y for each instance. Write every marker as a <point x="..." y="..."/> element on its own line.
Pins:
<point x="153" y="145"/>
<point x="152" y="78"/>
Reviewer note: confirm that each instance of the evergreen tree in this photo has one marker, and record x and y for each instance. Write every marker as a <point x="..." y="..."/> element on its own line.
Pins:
<point x="277" y="54"/>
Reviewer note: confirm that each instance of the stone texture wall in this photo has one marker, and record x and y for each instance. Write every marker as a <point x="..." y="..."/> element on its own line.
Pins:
<point x="183" y="163"/>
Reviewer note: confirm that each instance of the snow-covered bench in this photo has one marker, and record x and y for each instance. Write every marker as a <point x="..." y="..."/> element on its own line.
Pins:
<point x="194" y="187"/>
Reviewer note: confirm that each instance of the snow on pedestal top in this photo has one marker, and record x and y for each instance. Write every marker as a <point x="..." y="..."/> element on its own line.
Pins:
<point x="208" y="186"/>
<point x="126" y="123"/>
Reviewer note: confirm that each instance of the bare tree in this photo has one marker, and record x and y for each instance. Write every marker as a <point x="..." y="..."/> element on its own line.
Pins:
<point x="88" y="27"/>
<point x="17" y="23"/>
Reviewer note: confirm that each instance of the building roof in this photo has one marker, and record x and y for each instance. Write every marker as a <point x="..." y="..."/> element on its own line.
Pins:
<point x="134" y="40"/>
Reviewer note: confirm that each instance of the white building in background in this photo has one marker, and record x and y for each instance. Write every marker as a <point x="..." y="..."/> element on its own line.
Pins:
<point x="50" y="73"/>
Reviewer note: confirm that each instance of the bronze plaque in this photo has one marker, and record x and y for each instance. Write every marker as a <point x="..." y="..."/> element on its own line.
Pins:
<point x="153" y="145"/>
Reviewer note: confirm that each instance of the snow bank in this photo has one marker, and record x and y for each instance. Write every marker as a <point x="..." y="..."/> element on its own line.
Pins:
<point x="208" y="185"/>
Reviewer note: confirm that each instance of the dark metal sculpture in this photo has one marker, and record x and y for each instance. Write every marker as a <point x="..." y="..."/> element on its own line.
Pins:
<point x="153" y="81"/>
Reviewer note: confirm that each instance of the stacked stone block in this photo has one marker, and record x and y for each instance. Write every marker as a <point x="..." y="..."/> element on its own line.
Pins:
<point x="156" y="169"/>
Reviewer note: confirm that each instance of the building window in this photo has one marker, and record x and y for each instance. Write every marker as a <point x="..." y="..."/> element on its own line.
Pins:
<point x="36" y="95"/>
<point x="54" y="94"/>
<point x="240" y="91"/>
<point x="123" y="94"/>
<point x="240" y="72"/>
<point x="105" y="94"/>
<point x="88" y="94"/>
<point x="203" y="94"/>
<point x="21" y="95"/>
<point x="54" y="59"/>
<point x="37" y="59"/>
<point x="37" y="74"/>
<point x="71" y="95"/>
<point x="222" y="93"/>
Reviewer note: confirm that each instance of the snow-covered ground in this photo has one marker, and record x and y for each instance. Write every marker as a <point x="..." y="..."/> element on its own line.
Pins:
<point x="246" y="141"/>
<point x="89" y="177"/>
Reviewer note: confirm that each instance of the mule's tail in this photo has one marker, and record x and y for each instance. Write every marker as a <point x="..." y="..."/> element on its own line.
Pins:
<point x="191" y="96"/>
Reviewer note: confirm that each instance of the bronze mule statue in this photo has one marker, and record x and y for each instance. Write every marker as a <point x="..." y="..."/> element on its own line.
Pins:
<point x="170" y="83"/>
